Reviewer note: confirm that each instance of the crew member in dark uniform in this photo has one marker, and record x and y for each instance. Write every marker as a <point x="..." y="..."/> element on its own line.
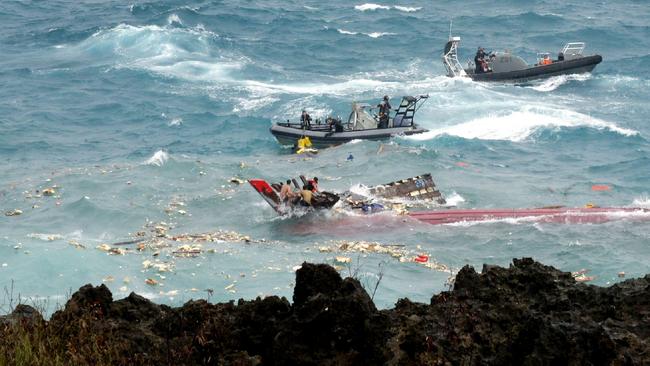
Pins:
<point x="305" y="119"/>
<point x="384" y="112"/>
<point x="478" y="61"/>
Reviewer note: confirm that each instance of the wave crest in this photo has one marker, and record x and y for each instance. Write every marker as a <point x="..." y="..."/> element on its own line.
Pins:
<point x="519" y="125"/>
<point x="159" y="158"/>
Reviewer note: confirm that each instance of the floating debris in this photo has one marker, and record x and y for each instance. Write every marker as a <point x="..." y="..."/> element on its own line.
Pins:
<point x="76" y="244"/>
<point x="343" y="259"/>
<point x="49" y="191"/>
<point x="581" y="276"/>
<point x="158" y="265"/>
<point x="151" y="282"/>
<point x="108" y="279"/>
<point x="15" y="212"/>
<point x="421" y="258"/>
<point x="104" y="247"/>
<point x="45" y="237"/>
<point x="397" y="251"/>
<point x="621" y="274"/>
<point x="188" y="250"/>
<point x="237" y="180"/>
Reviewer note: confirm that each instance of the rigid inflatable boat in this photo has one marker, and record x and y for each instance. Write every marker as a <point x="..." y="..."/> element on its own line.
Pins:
<point x="507" y="67"/>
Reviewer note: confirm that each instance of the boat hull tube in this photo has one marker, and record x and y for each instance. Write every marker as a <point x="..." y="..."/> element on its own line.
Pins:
<point x="506" y="67"/>
<point x="576" y="66"/>
<point x="361" y="125"/>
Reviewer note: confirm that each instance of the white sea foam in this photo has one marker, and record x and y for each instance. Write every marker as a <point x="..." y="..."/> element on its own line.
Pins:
<point x="643" y="201"/>
<point x="371" y="35"/>
<point x="378" y="34"/>
<point x="159" y="158"/>
<point x="176" y="121"/>
<point x="174" y="19"/>
<point x="555" y="82"/>
<point x="253" y="104"/>
<point x="371" y="6"/>
<point x="407" y="9"/>
<point x="343" y="31"/>
<point x="454" y="199"/>
<point x="519" y="125"/>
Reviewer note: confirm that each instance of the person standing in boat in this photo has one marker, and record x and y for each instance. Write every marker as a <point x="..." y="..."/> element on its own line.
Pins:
<point x="305" y="119"/>
<point x="479" y="61"/>
<point x="384" y="112"/>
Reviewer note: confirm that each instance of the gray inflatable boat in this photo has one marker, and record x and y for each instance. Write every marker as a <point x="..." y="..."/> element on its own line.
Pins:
<point x="509" y="68"/>
<point x="361" y="124"/>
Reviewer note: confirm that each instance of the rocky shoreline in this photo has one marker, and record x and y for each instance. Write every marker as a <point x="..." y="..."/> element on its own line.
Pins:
<point x="528" y="313"/>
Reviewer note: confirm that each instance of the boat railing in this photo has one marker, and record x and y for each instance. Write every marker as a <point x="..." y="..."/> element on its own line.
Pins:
<point x="573" y="48"/>
<point x="450" y="58"/>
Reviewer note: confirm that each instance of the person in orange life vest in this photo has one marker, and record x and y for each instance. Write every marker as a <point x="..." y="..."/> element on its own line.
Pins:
<point x="546" y="60"/>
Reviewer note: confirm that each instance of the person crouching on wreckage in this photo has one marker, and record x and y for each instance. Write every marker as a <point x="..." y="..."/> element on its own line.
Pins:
<point x="286" y="192"/>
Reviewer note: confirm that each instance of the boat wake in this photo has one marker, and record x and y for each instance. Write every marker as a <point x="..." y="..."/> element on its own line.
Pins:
<point x="555" y="82"/>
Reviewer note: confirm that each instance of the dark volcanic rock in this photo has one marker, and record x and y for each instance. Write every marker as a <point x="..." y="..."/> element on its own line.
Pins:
<point x="528" y="314"/>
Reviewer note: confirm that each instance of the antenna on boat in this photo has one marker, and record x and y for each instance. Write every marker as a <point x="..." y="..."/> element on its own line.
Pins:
<point x="451" y="21"/>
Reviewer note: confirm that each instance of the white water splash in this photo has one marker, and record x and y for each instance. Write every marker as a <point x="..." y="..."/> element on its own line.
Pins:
<point x="371" y="35"/>
<point x="643" y="201"/>
<point x="454" y="199"/>
<point x="175" y="122"/>
<point x="174" y="19"/>
<point x="557" y="81"/>
<point x="517" y="126"/>
<point x="371" y="6"/>
<point x="407" y="9"/>
<point x="159" y="158"/>
<point x="378" y="34"/>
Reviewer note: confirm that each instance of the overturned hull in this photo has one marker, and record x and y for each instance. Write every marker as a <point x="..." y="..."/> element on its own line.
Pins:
<point x="419" y="188"/>
<point x="574" y="66"/>
<point x="566" y="215"/>
<point x="287" y="134"/>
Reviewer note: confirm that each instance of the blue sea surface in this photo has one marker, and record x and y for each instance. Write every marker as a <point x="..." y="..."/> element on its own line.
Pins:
<point x="139" y="114"/>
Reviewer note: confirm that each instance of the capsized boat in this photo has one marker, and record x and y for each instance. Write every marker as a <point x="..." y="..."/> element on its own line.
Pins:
<point x="506" y="67"/>
<point x="403" y="195"/>
<point x="393" y="195"/>
<point x="361" y="124"/>
<point x="556" y="214"/>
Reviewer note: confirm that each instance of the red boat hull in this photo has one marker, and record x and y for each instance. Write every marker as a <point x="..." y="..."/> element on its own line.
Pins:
<point x="558" y="215"/>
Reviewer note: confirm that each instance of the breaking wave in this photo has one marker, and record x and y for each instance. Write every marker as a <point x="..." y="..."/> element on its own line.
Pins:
<point x="557" y="81"/>
<point x="159" y="158"/>
<point x="372" y="6"/>
<point x="519" y="125"/>
<point x="371" y="35"/>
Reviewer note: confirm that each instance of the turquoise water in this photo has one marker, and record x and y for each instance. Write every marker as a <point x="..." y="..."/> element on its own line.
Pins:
<point x="141" y="113"/>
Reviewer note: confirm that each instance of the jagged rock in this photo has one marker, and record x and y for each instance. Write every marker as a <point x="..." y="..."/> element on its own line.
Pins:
<point x="528" y="313"/>
<point x="22" y="314"/>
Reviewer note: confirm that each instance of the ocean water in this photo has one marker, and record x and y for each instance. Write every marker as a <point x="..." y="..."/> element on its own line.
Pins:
<point x="139" y="114"/>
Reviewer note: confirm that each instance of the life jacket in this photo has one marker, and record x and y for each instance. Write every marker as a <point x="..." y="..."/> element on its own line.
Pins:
<point x="304" y="142"/>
